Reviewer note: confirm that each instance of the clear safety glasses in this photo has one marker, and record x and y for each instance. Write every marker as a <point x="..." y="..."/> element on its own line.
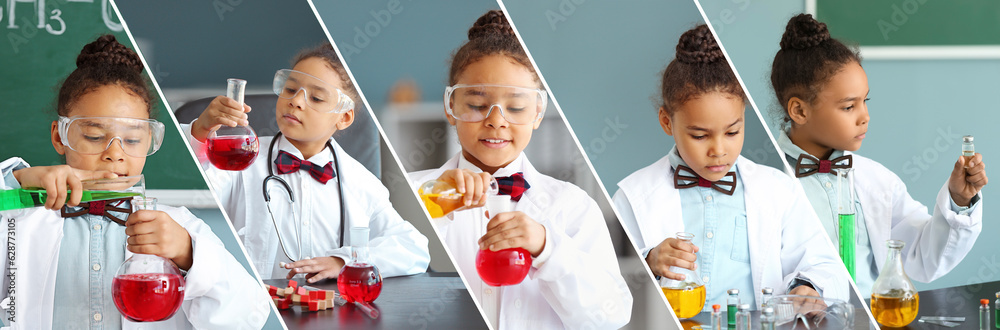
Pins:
<point x="94" y="135"/>
<point x="319" y="95"/>
<point x="474" y="103"/>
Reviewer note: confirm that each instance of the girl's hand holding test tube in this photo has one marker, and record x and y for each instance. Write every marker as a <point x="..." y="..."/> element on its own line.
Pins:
<point x="672" y="252"/>
<point x="222" y="111"/>
<point x="57" y="181"/>
<point x="968" y="177"/>
<point x="155" y="232"/>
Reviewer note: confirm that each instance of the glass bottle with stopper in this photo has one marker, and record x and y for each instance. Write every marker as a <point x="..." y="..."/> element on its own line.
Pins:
<point x="894" y="298"/>
<point x="233" y="148"/>
<point x="147" y="288"/>
<point x="503" y="267"/>
<point x="686" y="296"/>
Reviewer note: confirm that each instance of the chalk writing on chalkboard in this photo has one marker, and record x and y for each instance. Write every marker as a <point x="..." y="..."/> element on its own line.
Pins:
<point x="49" y="16"/>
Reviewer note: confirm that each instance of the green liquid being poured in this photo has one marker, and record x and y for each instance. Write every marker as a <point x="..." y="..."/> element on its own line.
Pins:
<point x="847" y="245"/>
<point x="14" y="199"/>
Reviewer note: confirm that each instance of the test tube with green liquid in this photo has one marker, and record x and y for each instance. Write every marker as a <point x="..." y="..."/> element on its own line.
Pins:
<point x="94" y="190"/>
<point x="846" y="235"/>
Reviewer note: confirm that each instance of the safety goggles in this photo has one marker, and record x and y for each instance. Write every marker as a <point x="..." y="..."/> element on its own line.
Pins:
<point x="474" y="103"/>
<point x="94" y="135"/>
<point x="319" y="95"/>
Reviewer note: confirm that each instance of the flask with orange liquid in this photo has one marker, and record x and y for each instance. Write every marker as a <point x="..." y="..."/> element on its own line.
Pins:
<point x="894" y="298"/>
<point x="686" y="297"/>
<point x="441" y="197"/>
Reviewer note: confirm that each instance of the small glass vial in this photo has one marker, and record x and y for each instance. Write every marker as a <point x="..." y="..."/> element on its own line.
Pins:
<point x="743" y="317"/>
<point x="968" y="150"/>
<point x="767" y="318"/>
<point x="732" y="303"/>
<point x="997" y="311"/>
<point x="984" y="314"/>
<point x="766" y="294"/>
<point x="716" y="317"/>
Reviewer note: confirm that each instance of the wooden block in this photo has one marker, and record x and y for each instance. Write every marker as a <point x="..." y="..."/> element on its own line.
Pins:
<point x="283" y="304"/>
<point x="296" y="298"/>
<point x="315" y="295"/>
<point x="313" y="306"/>
<point x="289" y="291"/>
<point x="322" y="305"/>
<point x="272" y="290"/>
<point x="302" y="291"/>
<point x="293" y="284"/>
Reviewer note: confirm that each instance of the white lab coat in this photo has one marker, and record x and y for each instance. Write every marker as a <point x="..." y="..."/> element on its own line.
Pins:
<point x="785" y="238"/>
<point x="218" y="293"/>
<point x="935" y="244"/>
<point x="579" y="285"/>
<point x="395" y="246"/>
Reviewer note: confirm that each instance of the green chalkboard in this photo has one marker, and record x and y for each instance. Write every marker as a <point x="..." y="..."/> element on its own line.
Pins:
<point x="913" y="22"/>
<point x="34" y="60"/>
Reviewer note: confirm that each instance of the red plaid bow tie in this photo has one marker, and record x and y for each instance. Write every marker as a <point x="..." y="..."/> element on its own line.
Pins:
<point x="104" y="208"/>
<point x="694" y="180"/>
<point x="288" y="163"/>
<point x="513" y="185"/>
<point x="820" y="166"/>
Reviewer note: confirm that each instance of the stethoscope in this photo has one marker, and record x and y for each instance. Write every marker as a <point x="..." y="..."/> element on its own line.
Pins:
<point x="291" y="199"/>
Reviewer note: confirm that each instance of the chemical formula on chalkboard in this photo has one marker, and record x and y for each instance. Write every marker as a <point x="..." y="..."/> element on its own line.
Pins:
<point x="47" y="16"/>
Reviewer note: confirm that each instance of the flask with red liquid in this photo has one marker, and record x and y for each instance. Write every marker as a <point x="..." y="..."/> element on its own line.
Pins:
<point x="507" y="266"/>
<point x="233" y="148"/>
<point x="147" y="288"/>
<point x="359" y="280"/>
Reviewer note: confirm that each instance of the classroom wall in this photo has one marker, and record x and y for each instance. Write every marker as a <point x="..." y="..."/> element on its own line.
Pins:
<point x="615" y="116"/>
<point x="919" y="111"/>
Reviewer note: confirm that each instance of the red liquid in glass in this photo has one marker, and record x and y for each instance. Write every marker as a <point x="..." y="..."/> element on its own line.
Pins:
<point x="148" y="297"/>
<point x="504" y="267"/>
<point x="232" y="153"/>
<point x="359" y="282"/>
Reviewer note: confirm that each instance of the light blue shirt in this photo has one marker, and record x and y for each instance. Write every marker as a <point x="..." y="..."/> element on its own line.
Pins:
<point x="92" y="248"/>
<point x="719" y="224"/>
<point x="821" y="190"/>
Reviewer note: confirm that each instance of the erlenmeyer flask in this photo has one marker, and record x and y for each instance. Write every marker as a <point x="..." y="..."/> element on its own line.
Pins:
<point x="441" y="197"/>
<point x="147" y="288"/>
<point x="894" y="298"/>
<point x="359" y="280"/>
<point x="686" y="297"/>
<point x="233" y="148"/>
<point x="507" y="266"/>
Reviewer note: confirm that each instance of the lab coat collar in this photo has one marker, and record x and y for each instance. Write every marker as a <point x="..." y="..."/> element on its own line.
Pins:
<point x="793" y="151"/>
<point x="321" y="158"/>
<point x="515" y="166"/>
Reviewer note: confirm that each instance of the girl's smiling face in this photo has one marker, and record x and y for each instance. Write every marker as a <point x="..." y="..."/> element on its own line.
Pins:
<point x="105" y="101"/>
<point x="708" y="131"/>
<point x="494" y="142"/>
<point x="838" y="116"/>
<point x="300" y="123"/>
